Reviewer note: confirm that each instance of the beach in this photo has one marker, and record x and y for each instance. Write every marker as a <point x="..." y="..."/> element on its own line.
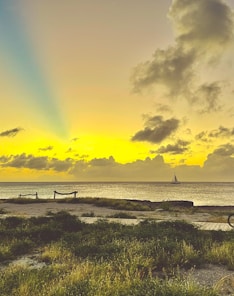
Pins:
<point x="204" y="217"/>
<point x="90" y="213"/>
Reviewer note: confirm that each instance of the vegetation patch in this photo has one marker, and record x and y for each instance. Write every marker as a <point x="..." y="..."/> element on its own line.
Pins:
<point x="90" y="214"/>
<point x="2" y="211"/>
<point x="24" y="200"/>
<point x="108" y="258"/>
<point x="122" y="215"/>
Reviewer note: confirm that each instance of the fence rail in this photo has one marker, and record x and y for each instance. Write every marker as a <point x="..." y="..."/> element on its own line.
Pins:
<point x="30" y="194"/>
<point x="55" y="193"/>
<point x="74" y="192"/>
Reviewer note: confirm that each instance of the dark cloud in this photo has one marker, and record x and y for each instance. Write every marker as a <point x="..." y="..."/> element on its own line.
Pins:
<point x="102" y="161"/>
<point x="11" y="133"/>
<point x="48" y="148"/>
<point x="27" y="161"/>
<point x="221" y="132"/>
<point x="35" y="162"/>
<point x="4" y="159"/>
<point x="202" y="136"/>
<point x="203" y="31"/>
<point x="219" y="166"/>
<point x="207" y="97"/>
<point x="60" y="165"/>
<point x="171" y="68"/>
<point x="69" y="150"/>
<point x="108" y="169"/>
<point x="206" y="26"/>
<point x="157" y="129"/>
<point x="178" y="148"/>
<point x="38" y="163"/>
<point x="224" y="150"/>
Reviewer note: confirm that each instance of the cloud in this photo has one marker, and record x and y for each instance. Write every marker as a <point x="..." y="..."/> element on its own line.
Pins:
<point x="48" y="148"/>
<point x="206" y="26"/>
<point x="203" y="31"/>
<point x="219" y="166"/>
<point x="107" y="169"/>
<point x="60" y="165"/>
<point x="178" y="148"/>
<point x="157" y="129"/>
<point x="221" y="132"/>
<point x="4" y="159"/>
<point x="172" y="68"/>
<point x="11" y="133"/>
<point x="202" y="136"/>
<point x="102" y="161"/>
<point x="36" y="162"/>
<point x="207" y="97"/>
<point x="163" y="108"/>
<point x="69" y="150"/>
<point x="224" y="150"/>
<point x="27" y="161"/>
<point x="74" y="139"/>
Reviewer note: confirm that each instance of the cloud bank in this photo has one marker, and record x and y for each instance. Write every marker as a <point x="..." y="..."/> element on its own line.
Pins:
<point x="219" y="166"/>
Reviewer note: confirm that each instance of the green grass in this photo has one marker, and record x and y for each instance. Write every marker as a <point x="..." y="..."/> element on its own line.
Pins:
<point x="108" y="258"/>
<point x="90" y="279"/>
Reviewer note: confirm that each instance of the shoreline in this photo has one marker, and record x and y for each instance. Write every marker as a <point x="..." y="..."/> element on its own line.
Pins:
<point x="179" y="204"/>
<point x="89" y="211"/>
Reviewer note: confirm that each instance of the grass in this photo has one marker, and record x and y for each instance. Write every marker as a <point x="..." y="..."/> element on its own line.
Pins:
<point x="90" y="214"/>
<point x="122" y="215"/>
<point x="119" y="204"/>
<point x="24" y="200"/>
<point x="108" y="258"/>
<point x="2" y="211"/>
<point x="222" y="253"/>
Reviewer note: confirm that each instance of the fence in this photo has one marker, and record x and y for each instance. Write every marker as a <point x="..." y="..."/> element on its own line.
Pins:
<point x="23" y="195"/>
<point x="74" y="192"/>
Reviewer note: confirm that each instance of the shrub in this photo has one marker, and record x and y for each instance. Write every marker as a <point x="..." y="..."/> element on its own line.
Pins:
<point x="13" y="222"/>
<point x="21" y="247"/>
<point x="2" y="211"/>
<point x="25" y="200"/>
<point x="91" y="214"/>
<point x="122" y="215"/>
<point x="221" y="253"/>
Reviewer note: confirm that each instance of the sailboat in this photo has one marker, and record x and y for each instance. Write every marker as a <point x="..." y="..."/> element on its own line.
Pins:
<point x="175" y="180"/>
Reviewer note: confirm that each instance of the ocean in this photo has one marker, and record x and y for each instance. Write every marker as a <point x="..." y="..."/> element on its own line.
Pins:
<point x="201" y="193"/>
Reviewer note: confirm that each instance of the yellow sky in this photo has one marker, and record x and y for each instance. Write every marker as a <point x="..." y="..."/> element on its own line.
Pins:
<point x="125" y="90"/>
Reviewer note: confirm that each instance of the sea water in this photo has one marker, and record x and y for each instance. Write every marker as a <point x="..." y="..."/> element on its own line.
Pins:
<point x="204" y="193"/>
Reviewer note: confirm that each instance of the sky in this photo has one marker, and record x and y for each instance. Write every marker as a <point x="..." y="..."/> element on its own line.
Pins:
<point x="106" y="90"/>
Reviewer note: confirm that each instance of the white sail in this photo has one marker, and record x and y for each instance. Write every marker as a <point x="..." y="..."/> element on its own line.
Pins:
<point x="175" y="180"/>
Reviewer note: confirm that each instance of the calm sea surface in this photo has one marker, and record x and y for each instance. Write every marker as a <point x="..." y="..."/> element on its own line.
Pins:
<point x="200" y="193"/>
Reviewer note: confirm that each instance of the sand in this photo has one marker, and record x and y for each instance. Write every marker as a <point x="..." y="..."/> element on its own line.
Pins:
<point x="194" y="214"/>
